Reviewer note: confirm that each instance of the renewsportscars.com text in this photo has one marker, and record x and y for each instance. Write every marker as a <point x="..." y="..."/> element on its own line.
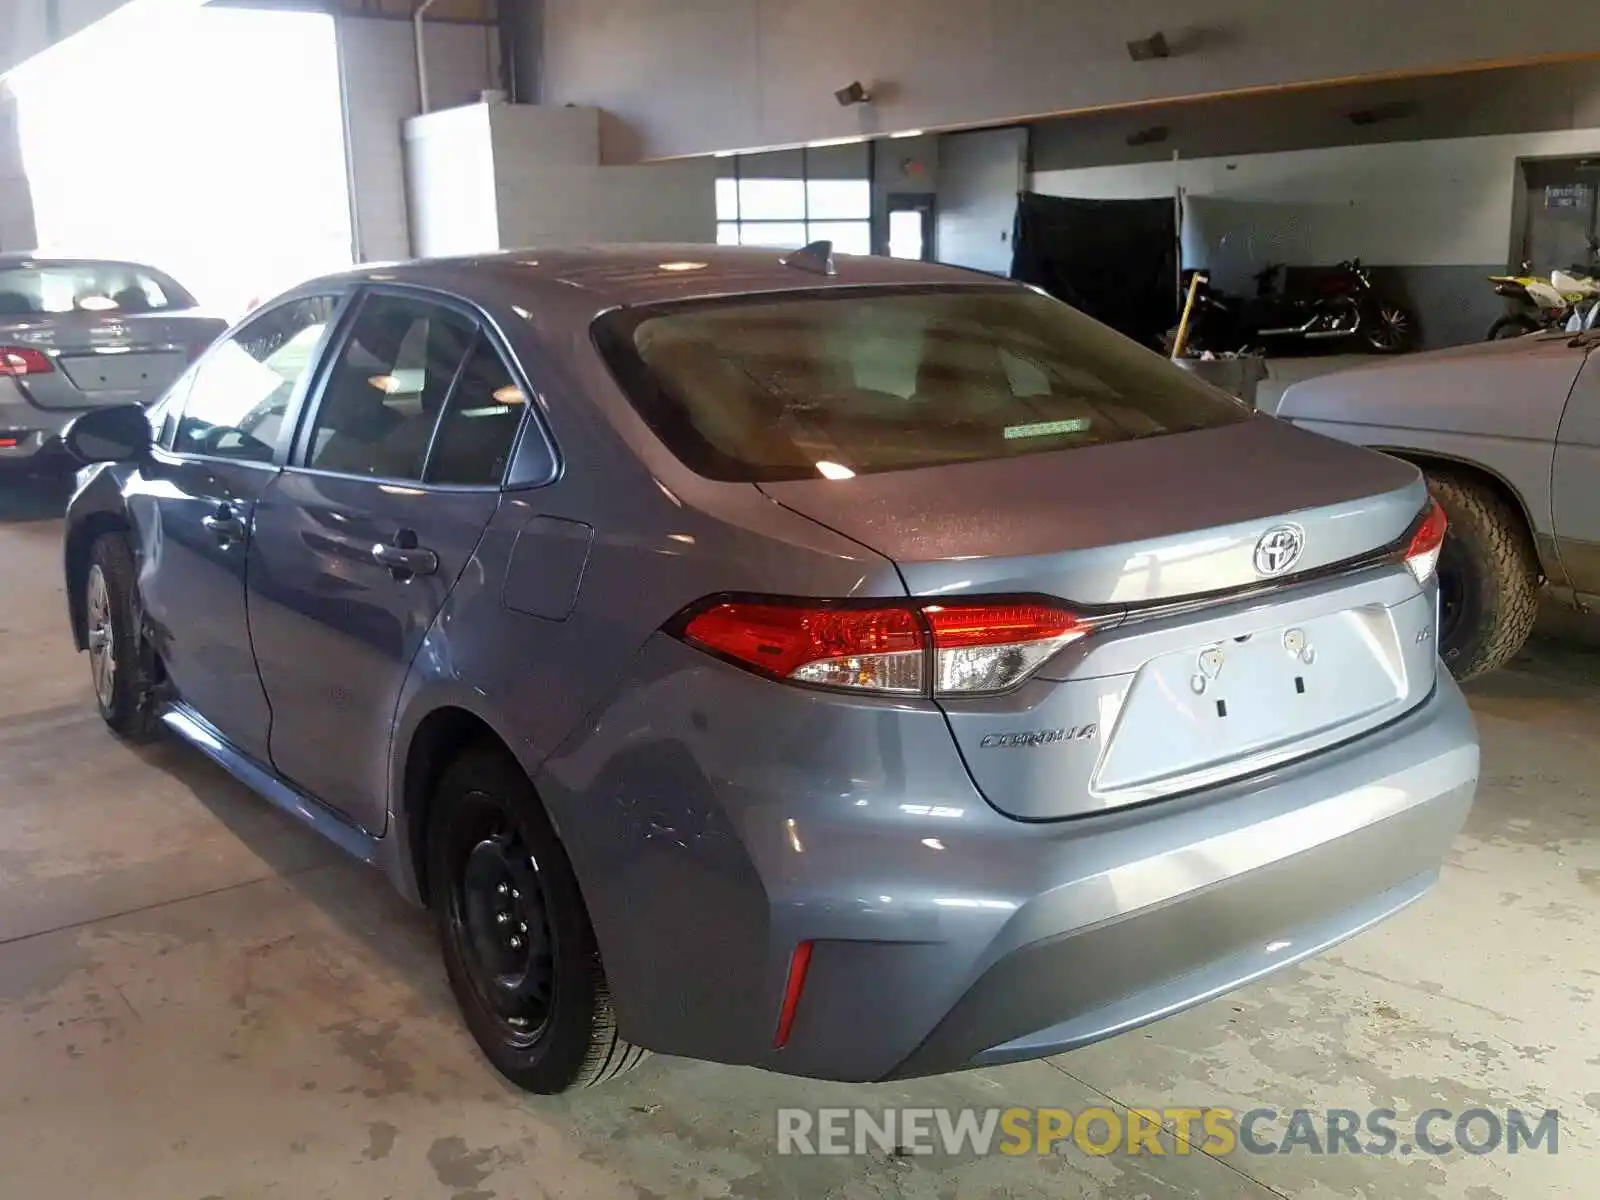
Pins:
<point x="1161" y="1131"/>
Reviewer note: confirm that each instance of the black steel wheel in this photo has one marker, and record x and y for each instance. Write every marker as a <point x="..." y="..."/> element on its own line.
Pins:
<point x="517" y="943"/>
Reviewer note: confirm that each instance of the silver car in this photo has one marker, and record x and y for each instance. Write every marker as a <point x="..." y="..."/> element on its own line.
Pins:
<point x="86" y="333"/>
<point x="855" y="670"/>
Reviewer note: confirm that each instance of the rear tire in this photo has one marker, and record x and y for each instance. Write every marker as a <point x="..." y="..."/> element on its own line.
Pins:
<point x="518" y="947"/>
<point x="1389" y="329"/>
<point x="118" y="661"/>
<point x="1514" y="326"/>
<point x="1488" y="577"/>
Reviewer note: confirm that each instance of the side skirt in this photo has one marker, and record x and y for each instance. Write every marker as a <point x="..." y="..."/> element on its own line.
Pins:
<point x="282" y="795"/>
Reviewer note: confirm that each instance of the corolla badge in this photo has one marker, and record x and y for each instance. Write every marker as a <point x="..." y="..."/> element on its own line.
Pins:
<point x="1279" y="549"/>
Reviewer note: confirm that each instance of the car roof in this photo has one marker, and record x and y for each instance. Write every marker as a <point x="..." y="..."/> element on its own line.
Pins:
<point x="12" y="259"/>
<point x="650" y="273"/>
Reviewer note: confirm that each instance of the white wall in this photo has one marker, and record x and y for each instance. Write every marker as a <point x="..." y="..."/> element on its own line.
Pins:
<point x="980" y="175"/>
<point x="550" y="189"/>
<point x="449" y="165"/>
<point x="380" y="85"/>
<point x="1433" y="203"/>
<point x="503" y="176"/>
<point x="693" y="76"/>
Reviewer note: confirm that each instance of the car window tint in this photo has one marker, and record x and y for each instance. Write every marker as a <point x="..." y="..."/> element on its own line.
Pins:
<point x="479" y="423"/>
<point x="243" y="385"/>
<point x="858" y="381"/>
<point x="386" y="388"/>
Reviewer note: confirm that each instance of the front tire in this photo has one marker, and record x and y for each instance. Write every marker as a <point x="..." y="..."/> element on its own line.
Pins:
<point x="518" y="947"/>
<point x="118" y="666"/>
<point x="1488" y="577"/>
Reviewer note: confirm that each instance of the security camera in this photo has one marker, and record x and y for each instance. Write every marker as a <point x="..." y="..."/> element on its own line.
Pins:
<point x="854" y="94"/>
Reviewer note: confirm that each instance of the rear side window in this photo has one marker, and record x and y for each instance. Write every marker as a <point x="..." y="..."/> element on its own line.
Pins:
<point x="387" y="388"/>
<point x="849" y="382"/>
<point x="479" y="424"/>
<point x="241" y="388"/>
<point x="90" y="287"/>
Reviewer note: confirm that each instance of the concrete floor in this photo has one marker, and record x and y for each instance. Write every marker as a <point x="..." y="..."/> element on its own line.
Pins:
<point x="200" y="1000"/>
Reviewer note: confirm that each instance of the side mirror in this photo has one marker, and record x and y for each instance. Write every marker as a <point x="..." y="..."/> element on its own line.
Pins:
<point x="120" y="433"/>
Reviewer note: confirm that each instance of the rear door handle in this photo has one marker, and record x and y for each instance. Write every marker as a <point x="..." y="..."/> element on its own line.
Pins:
<point x="405" y="561"/>
<point x="226" y="526"/>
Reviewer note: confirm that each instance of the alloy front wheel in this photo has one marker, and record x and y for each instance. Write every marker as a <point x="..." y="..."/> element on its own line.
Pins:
<point x="101" y="636"/>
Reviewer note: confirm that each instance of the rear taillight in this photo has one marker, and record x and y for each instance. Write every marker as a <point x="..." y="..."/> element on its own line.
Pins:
<point x="17" y="361"/>
<point x="1422" y="553"/>
<point x="896" y="649"/>
<point x="876" y="649"/>
<point x="990" y="647"/>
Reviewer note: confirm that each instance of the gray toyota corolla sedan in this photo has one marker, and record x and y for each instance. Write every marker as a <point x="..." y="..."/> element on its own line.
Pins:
<point x="857" y="670"/>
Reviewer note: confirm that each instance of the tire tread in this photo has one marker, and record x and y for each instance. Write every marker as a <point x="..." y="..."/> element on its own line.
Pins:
<point x="1505" y="553"/>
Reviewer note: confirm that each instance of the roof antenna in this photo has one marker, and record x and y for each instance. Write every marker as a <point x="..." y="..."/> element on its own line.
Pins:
<point x="816" y="257"/>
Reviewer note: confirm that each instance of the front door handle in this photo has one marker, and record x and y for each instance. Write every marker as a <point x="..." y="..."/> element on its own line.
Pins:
<point x="404" y="558"/>
<point x="223" y="524"/>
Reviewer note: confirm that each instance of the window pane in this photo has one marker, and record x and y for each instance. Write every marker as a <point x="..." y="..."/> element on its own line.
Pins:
<point x="769" y="388"/>
<point x="838" y="199"/>
<point x="242" y="386"/>
<point x="791" y="235"/>
<point x="772" y="200"/>
<point x="905" y="233"/>
<point x="848" y="237"/>
<point x="727" y="199"/>
<point x="480" y="423"/>
<point x="384" y="393"/>
<point x="86" y="287"/>
<point x="727" y="233"/>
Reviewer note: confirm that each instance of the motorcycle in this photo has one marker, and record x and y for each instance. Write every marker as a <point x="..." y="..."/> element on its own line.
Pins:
<point x="1345" y="307"/>
<point x="1541" y="303"/>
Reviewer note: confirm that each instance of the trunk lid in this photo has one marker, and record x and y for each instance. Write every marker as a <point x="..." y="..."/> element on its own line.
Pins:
<point x="1133" y="522"/>
<point x="113" y="358"/>
<point x="1172" y="692"/>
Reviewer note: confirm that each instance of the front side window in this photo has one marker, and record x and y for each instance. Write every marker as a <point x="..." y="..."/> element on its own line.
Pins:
<point x="88" y="287"/>
<point x="242" y="387"/>
<point x="387" y="387"/>
<point x="853" y="382"/>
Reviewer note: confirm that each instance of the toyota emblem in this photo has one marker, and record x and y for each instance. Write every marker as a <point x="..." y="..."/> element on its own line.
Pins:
<point x="1279" y="549"/>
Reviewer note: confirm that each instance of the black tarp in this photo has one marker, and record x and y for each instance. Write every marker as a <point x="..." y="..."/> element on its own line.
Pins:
<point x="1113" y="259"/>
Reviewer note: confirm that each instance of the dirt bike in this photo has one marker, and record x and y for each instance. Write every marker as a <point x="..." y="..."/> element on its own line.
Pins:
<point x="1542" y="303"/>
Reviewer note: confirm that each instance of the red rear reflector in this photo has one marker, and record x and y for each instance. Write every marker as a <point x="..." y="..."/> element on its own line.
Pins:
<point x="1422" y="555"/>
<point x="24" y="360"/>
<point x="7" y="443"/>
<point x="798" y="962"/>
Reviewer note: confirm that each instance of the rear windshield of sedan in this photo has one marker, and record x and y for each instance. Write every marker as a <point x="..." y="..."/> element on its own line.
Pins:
<point x="42" y="288"/>
<point x="851" y="382"/>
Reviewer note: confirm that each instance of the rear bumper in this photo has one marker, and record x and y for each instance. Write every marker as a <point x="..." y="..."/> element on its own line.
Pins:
<point x="716" y="820"/>
<point x="29" y="435"/>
